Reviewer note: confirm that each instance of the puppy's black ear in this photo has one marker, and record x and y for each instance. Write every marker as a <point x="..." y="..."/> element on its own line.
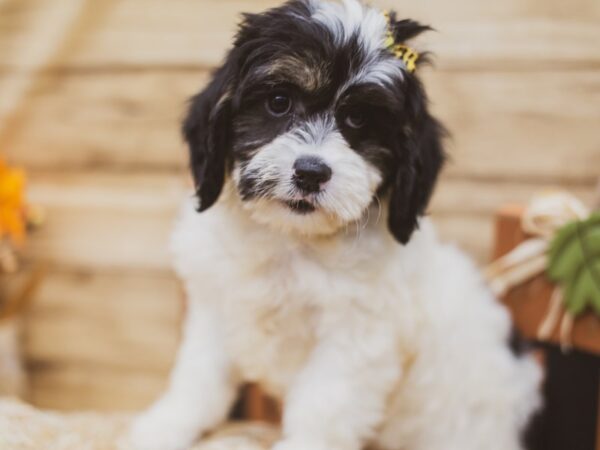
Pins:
<point x="423" y="157"/>
<point x="206" y="130"/>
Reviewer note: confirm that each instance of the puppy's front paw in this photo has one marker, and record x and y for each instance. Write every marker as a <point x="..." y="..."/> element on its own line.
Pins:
<point x="155" y="430"/>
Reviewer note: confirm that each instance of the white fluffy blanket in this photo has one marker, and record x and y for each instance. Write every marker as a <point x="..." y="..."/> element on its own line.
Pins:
<point x="23" y="427"/>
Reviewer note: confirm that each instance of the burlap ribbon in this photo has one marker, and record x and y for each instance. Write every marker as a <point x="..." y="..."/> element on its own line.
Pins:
<point x="543" y="216"/>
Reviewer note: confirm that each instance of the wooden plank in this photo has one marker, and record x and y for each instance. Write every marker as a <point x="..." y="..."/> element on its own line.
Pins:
<point x="527" y="43"/>
<point x="45" y="36"/>
<point x="470" y="232"/>
<point x="533" y="127"/>
<point x="463" y="210"/>
<point x="17" y="18"/>
<point x="116" y="121"/>
<point x="121" y="221"/>
<point x="126" y="320"/>
<point x="34" y="32"/>
<point x="528" y="126"/>
<point x="460" y="196"/>
<point x="106" y="221"/>
<point x="529" y="303"/>
<point x="72" y="388"/>
<point x="101" y="340"/>
<point x="135" y="33"/>
<point x="106" y="340"/>
<point x="257" y="405"/>
<point x="468" y="10"/>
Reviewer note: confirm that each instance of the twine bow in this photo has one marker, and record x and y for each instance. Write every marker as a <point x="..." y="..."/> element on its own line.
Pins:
<point x="544" y="215"/>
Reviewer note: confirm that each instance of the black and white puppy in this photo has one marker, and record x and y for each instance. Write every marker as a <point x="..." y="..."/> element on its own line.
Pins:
<point x="315" y="151"/>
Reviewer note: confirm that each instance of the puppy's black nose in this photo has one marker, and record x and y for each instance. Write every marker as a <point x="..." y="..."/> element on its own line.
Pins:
<point x="310" y="172"/>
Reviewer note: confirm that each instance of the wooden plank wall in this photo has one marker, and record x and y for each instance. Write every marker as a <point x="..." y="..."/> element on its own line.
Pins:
<point x="91" y="94"/>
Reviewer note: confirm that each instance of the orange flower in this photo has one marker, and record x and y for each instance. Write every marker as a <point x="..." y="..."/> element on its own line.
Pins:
<point x="12" y="204"/>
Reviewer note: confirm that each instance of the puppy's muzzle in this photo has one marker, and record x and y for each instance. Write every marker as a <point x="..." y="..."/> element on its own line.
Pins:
<point x="310" y="172"/>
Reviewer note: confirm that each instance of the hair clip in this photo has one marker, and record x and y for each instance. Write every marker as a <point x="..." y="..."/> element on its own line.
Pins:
<point x="408" y="56"/>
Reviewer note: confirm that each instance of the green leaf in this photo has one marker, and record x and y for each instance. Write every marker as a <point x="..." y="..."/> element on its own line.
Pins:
<point x="579" y="290"/>
<point x="574" y="263"/>
<point x="565" y="253"/>
<point x="561" y="239"/>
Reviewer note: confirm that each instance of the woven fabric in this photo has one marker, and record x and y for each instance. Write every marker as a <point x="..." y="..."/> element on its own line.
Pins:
<point x="23" y="427"/>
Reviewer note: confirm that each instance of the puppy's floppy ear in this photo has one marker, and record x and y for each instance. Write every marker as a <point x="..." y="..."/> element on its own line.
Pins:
<point x="417" y="173"/>
<point x="206" y="130"/>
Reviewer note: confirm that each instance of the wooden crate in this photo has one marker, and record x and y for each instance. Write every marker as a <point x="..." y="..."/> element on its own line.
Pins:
<point x="529" y="302"/>
<point x="571" y="418"/>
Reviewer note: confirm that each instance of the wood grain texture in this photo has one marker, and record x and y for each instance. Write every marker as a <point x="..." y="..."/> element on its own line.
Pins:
<point x="105" y="338"/>
<point x="101" y="339"/>
<point x="44" y="36"/>
<point x="103" y="121"/>
<point x="517" y="82"/>
<point x="123" y="221"/>
<point x="471" y="33"/>
<point x="98" y="388"/>
<point x="464" y="209"/>
<point x="106" y="221"/>
<point x="521" y="126"/>
<point x="525" y="126"/>
<point x="459" y="195"/>
<point x="114" y="311"/>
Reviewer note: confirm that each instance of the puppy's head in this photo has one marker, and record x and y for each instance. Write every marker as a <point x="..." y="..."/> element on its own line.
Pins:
<point x="313" y="117"/>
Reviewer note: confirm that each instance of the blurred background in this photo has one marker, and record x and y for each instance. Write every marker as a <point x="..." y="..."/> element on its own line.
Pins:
<point x="91" y="96"/>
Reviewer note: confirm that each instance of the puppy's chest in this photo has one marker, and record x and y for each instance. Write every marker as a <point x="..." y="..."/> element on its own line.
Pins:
<point x="270" y="344"/>
<point x="277" y="298"/>
<point x="273" y="317"/>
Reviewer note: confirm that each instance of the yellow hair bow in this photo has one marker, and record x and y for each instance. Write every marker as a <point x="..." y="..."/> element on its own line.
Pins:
<point x="400" y="51"/>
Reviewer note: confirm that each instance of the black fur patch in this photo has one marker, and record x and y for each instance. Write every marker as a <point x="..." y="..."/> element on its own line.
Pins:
<point x="284" y="50"/>
<point x="517" y="344"/>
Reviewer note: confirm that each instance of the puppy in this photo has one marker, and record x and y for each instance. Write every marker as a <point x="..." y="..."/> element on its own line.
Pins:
<point x="311" y="270"/>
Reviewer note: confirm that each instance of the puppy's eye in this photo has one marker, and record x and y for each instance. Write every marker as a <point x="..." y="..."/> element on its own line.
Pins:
<point x="279" y="105"/>
<point x="355" y="119"/>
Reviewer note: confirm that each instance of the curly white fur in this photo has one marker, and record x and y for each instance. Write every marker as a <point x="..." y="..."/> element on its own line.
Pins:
<point x="366" y="341"/>
<point x="344" y="199"/>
